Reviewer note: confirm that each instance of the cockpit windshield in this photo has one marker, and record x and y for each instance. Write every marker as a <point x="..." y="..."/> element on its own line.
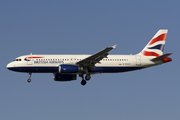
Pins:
<point x="17" y="60"/>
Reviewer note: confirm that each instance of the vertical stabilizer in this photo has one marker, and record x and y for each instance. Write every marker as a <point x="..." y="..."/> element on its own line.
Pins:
<point x="156" y="44"/>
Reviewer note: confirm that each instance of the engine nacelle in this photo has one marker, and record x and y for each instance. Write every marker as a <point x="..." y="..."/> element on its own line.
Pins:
<point x="65" y="68"/>
<point x="64" y="77"/>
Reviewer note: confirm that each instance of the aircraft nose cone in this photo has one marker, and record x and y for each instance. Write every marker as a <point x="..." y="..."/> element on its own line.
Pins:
<point x="12" y="66"/>
<point x="9" y="66"/>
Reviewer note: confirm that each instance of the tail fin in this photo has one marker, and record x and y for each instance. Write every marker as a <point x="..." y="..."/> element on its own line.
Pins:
<point x="156" y="44"/>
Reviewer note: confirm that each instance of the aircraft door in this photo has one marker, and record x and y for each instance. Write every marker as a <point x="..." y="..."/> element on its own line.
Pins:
<point x="29" y="60"/>
<point x="138" y="60"/>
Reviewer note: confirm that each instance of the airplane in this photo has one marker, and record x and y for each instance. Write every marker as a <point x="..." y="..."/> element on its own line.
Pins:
<point x="67" y="67"/>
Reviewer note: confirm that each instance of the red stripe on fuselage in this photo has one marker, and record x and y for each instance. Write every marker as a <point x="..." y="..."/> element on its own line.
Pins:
<point x="162" y="37"/>
<point x="33" y="57"/>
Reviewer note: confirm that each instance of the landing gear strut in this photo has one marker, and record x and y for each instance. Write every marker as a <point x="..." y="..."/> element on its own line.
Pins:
<point x="83" y="82"/>
<point x="29" y="80"/>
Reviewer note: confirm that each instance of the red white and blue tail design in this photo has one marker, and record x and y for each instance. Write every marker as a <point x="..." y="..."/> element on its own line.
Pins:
<point x="156" y="44"/>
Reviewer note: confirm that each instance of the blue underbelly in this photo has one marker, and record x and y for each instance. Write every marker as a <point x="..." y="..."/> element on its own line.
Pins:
<point x="56" y="69"/>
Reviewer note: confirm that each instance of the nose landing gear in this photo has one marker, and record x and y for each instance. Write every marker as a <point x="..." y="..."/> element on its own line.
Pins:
<point x="29" y="80"/>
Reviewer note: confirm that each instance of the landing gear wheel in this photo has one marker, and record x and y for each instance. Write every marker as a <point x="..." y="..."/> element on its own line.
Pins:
<point x="88" y="77"/>
<point x="83" y="82"/>
<point x="29" y="80"/>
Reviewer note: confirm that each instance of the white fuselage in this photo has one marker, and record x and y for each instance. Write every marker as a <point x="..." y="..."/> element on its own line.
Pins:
<point x="46" y="63"/>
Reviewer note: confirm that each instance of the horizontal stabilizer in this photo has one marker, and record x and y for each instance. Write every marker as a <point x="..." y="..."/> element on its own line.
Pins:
<point x="161" y="57"/>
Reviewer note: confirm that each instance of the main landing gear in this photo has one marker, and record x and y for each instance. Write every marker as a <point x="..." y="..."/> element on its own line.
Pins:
<point x="83" y="82"/>
<point x="29" y="80"/>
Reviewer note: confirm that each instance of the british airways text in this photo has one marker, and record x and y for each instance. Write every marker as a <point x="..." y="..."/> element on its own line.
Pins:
<point x="48" y="62"/>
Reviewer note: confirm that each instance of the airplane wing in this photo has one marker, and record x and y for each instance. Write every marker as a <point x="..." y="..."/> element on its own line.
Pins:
<point x="95" y="58"/>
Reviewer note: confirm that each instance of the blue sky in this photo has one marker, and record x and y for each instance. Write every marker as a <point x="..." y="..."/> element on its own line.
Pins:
<point x="86" y="27"/>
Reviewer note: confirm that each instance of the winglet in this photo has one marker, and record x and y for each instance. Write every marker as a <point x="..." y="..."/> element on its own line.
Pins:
<point x="114" y="47"/>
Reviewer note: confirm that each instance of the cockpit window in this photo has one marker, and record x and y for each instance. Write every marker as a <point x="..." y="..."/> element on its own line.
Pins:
<point x="17" y="60"/>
